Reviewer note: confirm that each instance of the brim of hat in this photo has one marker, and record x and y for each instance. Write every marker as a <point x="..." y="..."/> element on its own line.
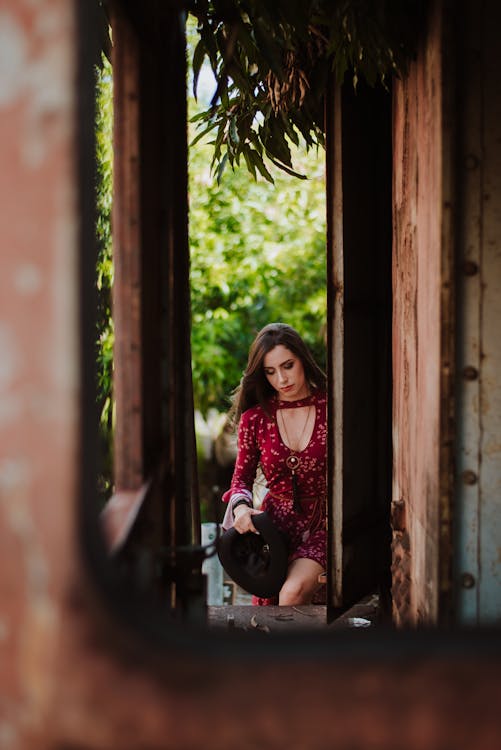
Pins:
<point x="266" y="584"/>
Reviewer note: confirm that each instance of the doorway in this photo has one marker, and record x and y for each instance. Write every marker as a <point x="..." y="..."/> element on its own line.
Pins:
<point x="359" y="179"/>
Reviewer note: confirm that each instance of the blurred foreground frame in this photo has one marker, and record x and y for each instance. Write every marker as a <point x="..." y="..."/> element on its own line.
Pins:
<point x="88" y="662"/>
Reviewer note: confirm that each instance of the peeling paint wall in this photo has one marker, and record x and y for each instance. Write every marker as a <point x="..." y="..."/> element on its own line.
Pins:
<point x="38" y="347"/>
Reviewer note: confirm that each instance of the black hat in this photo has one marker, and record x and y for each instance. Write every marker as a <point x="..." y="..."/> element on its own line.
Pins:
<point x="256" y="562"/>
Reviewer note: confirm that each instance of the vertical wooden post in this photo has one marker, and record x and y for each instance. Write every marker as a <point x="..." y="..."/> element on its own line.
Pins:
<point x="127" y="258"/>
<point x="423" y="334"/>
<point x="335" y="330"/>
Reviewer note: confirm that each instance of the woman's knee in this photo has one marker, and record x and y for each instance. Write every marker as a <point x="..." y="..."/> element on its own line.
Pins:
<point x="294" y="592"/>
<point x="301" y="583"/>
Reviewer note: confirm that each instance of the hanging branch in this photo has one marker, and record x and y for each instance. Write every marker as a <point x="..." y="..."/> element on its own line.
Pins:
<point x="272" y="60"/>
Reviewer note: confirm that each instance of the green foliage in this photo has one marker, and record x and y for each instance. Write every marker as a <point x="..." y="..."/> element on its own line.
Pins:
<point x="272" y="61"/>
<point x="257" y="256"/>
<point x="104" y="269"/>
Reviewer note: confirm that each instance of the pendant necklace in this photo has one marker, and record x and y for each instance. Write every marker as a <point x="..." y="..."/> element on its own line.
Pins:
<point x="293" y="461"/>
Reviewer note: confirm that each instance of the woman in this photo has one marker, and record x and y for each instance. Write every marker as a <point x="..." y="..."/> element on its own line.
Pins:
<point x="280" y="407"/>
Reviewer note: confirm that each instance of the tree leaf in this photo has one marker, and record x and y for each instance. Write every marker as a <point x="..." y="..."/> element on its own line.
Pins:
<point x="197" y="62"/>
<point x="248" y="160"/>
<point x="286" y="169"/>
<point x="221" y="167"/>
<point x="200" y="135"/>
<point x="234" y="137"/>
<point x="273" y="138"/>
<point x="259" y="163"/>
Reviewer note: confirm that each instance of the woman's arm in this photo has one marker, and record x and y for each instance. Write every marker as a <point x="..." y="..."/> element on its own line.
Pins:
<point x="239" y="495"/>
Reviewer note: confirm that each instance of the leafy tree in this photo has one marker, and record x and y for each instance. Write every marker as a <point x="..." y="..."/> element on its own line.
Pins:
<point x="257" y="256"/>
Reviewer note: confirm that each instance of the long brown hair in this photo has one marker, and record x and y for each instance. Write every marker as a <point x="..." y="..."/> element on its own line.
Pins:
<point x="254" y="387"/>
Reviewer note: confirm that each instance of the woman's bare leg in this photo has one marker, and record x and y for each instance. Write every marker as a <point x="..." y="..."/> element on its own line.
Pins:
<point x="301" y="582"/>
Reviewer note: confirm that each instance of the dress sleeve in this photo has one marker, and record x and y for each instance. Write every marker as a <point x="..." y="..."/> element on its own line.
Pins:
<point x="248" y="456"/>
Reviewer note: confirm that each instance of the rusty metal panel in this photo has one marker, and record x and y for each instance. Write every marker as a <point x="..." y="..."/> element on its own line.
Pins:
<point x="490" y="378"/>
<point x="422" y="270"/>
<point x="478" y="563"/>
<point x="39" y="350"/>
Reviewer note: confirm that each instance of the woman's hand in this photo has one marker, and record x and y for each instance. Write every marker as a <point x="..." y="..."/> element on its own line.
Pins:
<point x="243" y="519"/>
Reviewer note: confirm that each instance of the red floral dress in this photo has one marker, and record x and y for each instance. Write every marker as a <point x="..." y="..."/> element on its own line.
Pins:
<point x="260" y="443"/>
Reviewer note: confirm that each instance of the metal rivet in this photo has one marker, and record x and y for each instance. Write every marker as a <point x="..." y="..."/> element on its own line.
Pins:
<point x="467" y="581"/>
<point x="470" y="268"/>
<point x="470" y="373"/>
<point x="471" y="161"/>
<point x="469" y="477"/>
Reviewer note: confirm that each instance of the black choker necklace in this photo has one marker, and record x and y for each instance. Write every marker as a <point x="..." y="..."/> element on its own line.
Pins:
<point x="305" y="401"/>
